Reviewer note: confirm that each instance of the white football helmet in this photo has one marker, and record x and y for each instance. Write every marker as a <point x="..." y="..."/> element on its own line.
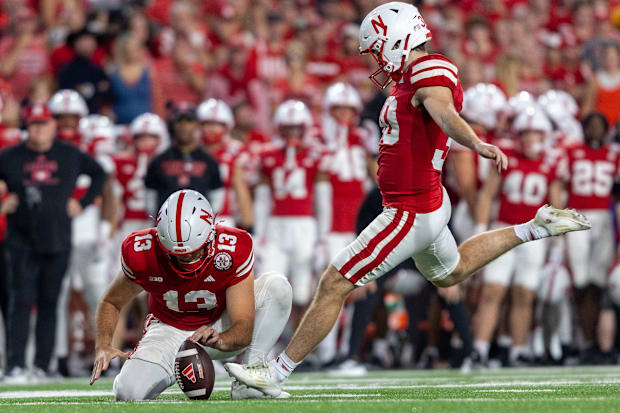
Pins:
<point x="482" y="104"/>
<point x="342" y="94"/>
<point x="216" y="110"/>
<point x="571" y="128"/>
<point x="389" y="32"/>
<point x="151" y="124"/>
<point x="185" y="224"/>
<point x="532" y="119"/>
<point x="68" y="102"/>
<point x="558" y="105"/>
<point x="519" y="102"/>
<point x="98" y="134"/>
<point x="292" y="113"/>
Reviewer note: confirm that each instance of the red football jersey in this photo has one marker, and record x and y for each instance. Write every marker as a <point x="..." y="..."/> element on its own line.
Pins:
<point x="228" y="154"/>
<point x="130" y="173"/>
<point x="348" y="171"/>
<point x="292" y="173"/>
<point x="187" y="303"/>
<point x="525" y="186"/>
<point x="590" y="175"/>
<point x="413" y="147"/>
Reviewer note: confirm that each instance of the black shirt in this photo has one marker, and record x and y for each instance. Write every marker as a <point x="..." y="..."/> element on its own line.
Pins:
<point x="44" y="182"/>
<point x="88" y="79"/>
<point x="173" y="170"/>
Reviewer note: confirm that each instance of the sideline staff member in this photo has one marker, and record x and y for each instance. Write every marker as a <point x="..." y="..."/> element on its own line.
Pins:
<point x="184" y="165"/>
<point x="40" y="174"/>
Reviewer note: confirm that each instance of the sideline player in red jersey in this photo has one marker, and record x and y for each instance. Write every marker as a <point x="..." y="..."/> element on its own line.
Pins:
<point x="466" y="170"/>
<point x="149" y="136"/>
<point x="201" y="286"/>
<point x="293" y="180"/>
<point x="417" y="117"/>
<point x="217" y="121"/>
<point x="588" y="171"/>
<point x="522" y="188"/>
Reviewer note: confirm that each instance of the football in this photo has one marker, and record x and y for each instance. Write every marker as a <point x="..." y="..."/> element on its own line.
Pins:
<point x="193" y="370"/>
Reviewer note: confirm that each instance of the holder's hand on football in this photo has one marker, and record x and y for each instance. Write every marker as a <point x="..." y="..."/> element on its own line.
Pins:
<point x="207" y="336"/>
<point x="102" y="361"/>
<point x="486" y="150"/>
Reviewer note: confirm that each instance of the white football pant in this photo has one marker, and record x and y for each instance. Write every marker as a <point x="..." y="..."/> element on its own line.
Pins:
<point x="290" y="243"/>
<point x="590" y="253"/>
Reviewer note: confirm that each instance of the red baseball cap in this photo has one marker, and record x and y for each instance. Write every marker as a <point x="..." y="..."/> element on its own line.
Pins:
<point x="37" y="113"/>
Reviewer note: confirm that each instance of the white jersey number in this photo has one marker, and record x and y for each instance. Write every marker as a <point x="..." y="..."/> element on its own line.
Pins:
<point x="529" y="190"/>
<point x="209" y="300"/>
<point x="592" y="178"/>
<point x="135" y="186"/>
<point x="349" y="164"/>
<point x="142" y="242"/>
<point x="290" y="183"/>
<point x="389" y="122"/>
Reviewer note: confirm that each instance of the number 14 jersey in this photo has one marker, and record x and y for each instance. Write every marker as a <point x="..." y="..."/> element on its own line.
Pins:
<point x="413" y="147"/>
<point x="187" y="303"/>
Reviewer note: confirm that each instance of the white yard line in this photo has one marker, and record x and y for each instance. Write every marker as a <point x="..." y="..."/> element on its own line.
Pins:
<point x="296" y="400"/>
<point x="18" y="394"/>
<point x="515" y="391"/>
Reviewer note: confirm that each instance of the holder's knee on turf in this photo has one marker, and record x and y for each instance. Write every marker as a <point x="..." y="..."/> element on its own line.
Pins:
<point x="140" y="380"/>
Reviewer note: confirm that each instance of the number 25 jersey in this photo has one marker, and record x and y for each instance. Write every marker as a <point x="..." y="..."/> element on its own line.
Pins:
<point x="187" y="303"/>
<point x="413" y="147"/>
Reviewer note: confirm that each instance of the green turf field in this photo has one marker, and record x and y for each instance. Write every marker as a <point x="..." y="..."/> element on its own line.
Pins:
<point x="516" y="390"/>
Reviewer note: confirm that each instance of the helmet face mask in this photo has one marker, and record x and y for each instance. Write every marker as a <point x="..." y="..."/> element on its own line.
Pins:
<point x="146" y="143"/>
<point x="213" y="132"/>
<point x="531" y="143"/>
<point x="292" y="134"/>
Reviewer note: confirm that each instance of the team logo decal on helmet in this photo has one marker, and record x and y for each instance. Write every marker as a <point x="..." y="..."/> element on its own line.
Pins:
<point x="222" y="261"/>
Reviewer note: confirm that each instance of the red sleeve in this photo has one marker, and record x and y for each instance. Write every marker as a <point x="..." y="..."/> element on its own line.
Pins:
<point x="437" y="70"/>
<point x="133" y="262"/>
<point x="244" y="258"/>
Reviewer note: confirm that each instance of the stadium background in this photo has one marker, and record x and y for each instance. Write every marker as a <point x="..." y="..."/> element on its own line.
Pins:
<point x="256" y="54"/>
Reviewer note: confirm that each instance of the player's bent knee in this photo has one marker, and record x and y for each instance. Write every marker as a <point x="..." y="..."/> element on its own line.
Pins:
<point x="279" y="288"/>
<point x="135" y="383"/>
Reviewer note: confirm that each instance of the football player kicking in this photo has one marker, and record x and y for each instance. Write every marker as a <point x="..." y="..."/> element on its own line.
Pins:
<point x="201" y="286"/>
<point x="417" y="117"/>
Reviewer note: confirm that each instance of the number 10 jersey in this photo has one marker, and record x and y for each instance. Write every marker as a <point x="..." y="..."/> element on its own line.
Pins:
<point x="187" y="303"/>
<point x="413" y="147"/>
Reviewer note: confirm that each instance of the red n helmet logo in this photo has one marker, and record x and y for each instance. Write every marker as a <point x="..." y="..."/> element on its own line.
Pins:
<point x="206" y="217"/>
<point x="378" y="24"/>
<point x="189" y="372"/>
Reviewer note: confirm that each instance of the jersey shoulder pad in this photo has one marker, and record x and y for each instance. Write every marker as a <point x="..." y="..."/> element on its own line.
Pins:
<point x="434" y="70"/>
<point x="137" y="252"/>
